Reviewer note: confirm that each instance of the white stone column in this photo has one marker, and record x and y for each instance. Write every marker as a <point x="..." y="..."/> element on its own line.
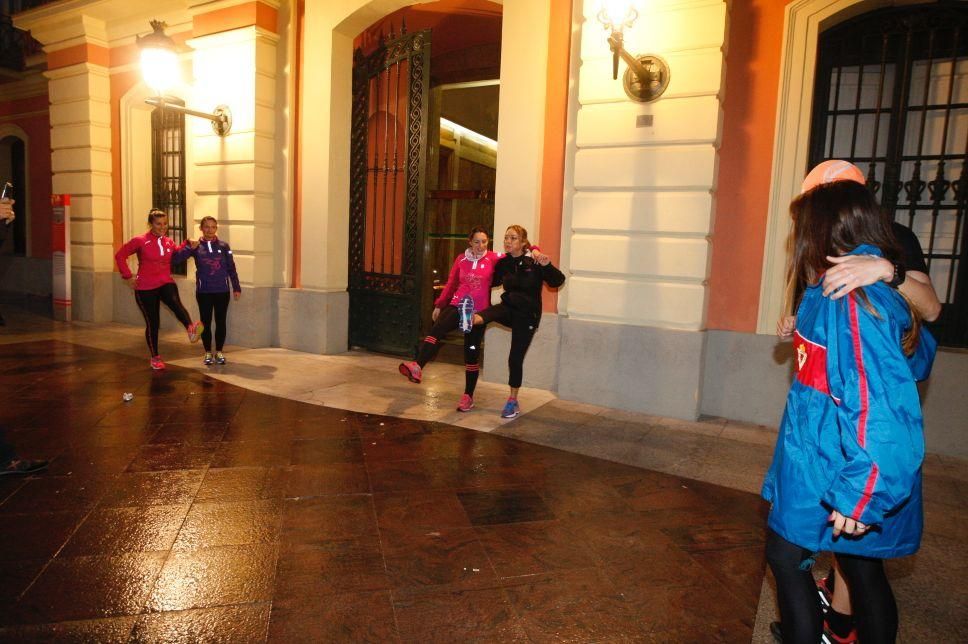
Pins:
<point x="638" y="213"/>
<point x="80" y="119"/>
<point x="234" y="176"/>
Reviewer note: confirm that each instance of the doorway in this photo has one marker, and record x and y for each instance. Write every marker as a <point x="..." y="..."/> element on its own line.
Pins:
<point x="423" y="163"/>
<point x="460" y="187"/>
<point x="13" y="170"/>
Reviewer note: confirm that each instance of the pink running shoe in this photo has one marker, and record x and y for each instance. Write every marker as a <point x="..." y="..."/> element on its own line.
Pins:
<point x="195" y="331"/>
<point x="157" y="363"/>
<point x="466" y="403"/>
<point x="412" y="371"/>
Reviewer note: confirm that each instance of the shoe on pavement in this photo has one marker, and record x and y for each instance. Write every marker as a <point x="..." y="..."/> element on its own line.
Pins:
<point x="466" y="403"/>
<point x="465" y="313"/>
<point x="412" y="371"/>
<point x="511" y="409"/>
<point x="219" y="358"/>
<point x="208" y="359"/>
<point x="22" y="466"/>
<point x="157" y="363"/>
<point x="195" y="331"/>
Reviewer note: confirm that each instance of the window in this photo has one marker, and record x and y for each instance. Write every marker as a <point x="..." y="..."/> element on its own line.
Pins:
<point x="892" y="97"/>
<point x="168" y="172"/>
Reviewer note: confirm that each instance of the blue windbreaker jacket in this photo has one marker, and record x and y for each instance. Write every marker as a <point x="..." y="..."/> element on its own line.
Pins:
<point x="214" y="266"/>
<point x="851" y="438"/>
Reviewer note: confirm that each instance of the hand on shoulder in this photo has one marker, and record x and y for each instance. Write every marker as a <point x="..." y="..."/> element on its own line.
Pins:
<point x="854" y="271"/>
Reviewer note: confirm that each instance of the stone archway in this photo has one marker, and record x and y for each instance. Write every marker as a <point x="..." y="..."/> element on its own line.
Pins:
<point x="324" y="168"/>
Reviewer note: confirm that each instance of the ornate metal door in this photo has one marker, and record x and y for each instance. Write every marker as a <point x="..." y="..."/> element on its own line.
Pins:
<point x="892" y="97"/>
<point x="387" y="182"/>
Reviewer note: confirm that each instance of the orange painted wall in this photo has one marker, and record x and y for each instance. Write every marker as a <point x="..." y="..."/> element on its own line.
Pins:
<point x="33" y="117"/>
<point x="745" y="161"/>
<point x="556" y="124"/>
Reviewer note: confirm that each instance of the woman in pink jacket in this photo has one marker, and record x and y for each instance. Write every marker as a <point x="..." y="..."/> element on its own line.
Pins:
<point x="153" y="283"/>
<point x="468" y="290"/>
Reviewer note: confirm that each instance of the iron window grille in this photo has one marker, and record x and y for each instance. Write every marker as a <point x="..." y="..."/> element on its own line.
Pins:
<point x="168" y="172"/>
<point x="892" y="97"/>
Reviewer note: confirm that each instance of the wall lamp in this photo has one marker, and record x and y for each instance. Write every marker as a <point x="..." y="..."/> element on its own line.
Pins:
<point x="647" y="76"/>
<point x="159" y="67"/>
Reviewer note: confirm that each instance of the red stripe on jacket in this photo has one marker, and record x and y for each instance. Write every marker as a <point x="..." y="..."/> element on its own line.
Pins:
<point x="864" y="407"/>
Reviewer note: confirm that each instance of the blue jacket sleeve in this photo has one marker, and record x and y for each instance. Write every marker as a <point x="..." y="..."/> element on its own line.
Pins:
<point x="878" y="412"/>
<point x="230" y="267"/>
<point x="182" y="253"/>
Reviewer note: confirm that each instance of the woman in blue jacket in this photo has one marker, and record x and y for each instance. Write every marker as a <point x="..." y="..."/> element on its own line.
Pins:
<point x="214" y="274"/>
<point x="846" y="473"/>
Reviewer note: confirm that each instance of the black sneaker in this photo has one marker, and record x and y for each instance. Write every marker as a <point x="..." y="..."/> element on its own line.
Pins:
<point x="22" y="466"/>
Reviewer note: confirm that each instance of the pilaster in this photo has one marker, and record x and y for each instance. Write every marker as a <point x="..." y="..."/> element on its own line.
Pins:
<point x="234" y="177"/>
<point x="80" y="118"/>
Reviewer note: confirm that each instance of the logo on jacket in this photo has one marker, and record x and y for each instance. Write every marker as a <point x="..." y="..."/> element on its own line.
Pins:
<point x="811" y="363"/>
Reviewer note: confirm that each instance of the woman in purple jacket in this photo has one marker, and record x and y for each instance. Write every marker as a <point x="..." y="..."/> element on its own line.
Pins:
<point x="214" y="274"/>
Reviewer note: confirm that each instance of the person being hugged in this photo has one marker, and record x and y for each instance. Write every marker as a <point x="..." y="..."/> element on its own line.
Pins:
<point x="215" y="274"/>
<point x="846" y="471"/>
<point x="153" y="283"/>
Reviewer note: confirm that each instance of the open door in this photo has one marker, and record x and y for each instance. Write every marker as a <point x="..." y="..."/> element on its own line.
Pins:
<point x="387" y="183"/>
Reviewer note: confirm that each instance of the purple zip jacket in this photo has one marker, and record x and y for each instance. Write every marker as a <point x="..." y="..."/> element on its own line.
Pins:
<point x="214" y="266"/>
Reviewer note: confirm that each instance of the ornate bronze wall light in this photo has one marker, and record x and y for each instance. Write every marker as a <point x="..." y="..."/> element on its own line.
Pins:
<point x="159" y="67"/>
<point x="647" y="76"/>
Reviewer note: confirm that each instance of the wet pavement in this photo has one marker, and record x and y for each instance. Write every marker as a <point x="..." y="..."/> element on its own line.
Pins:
<point x="202" y="511"/>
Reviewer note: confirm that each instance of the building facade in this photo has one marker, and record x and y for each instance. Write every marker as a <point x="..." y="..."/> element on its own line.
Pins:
<point x="668" y="217"/>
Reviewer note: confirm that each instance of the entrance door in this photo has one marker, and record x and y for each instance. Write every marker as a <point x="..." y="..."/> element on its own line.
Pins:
<point x="387" y="183"/>
<point x="461" y="178"/>
<point x="892" y="97"/>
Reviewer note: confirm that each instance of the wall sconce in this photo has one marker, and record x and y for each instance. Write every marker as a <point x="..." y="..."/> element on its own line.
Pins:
<point x="647" y="76"/>
<point x="159" y="67"/>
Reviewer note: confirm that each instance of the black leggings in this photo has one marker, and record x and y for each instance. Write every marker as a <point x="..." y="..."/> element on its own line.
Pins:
<point x="446" y="322"/>
<point x="523" y="328"/>
<point x="801" y="617"/>
<point x="207" y="302"/>
<point x="149" y="302"/>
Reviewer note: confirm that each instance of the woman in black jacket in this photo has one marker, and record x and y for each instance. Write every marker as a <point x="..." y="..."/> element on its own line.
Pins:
<point x="522" y="277"/>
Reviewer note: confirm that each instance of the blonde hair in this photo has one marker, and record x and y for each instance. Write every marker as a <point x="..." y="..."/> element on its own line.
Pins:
<point x="522" y="233"/>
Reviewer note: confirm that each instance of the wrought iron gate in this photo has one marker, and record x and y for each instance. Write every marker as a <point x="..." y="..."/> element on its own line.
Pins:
<point x="892" y="97"/>
<point x="387" y="181"/>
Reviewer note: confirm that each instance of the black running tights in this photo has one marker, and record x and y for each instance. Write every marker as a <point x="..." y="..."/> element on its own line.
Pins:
<point x="801" y="617"/>
<point x="207" y="304"/>
<point x="447" y="321"/>
<point x="523" y="328"/>
<point x="150" y="304"/>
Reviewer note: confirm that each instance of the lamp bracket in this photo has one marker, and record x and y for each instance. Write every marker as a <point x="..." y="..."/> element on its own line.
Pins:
<point x="647" y="76"/>
<point x="221" y="118"/>
<point x="649" y="86"/>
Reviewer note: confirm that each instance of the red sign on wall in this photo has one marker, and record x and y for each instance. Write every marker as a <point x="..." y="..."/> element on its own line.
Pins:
<point x="60" y="242"/>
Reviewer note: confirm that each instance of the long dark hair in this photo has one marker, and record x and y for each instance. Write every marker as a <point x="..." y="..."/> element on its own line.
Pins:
<point x="833" y="219"/>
